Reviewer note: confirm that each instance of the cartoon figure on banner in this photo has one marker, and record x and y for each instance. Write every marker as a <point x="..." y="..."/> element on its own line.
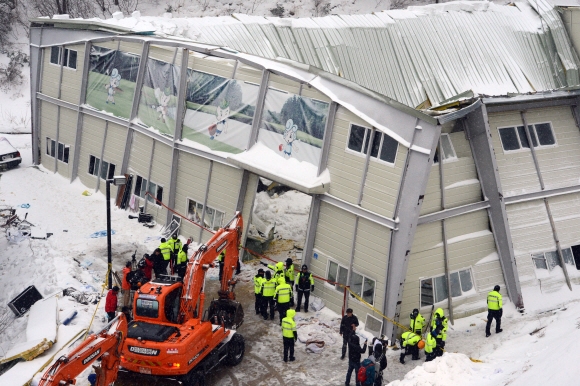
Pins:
<point x="163" y="101"/>
<point x="290" y="137"/>
<point x="222" y="115"/>
<point x="113" y="86"/>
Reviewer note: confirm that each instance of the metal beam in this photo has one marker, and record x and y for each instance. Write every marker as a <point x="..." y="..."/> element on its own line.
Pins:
<point x="541" y="194"/>
<point x="256" y="120"/>
<point x="327" y="137"/>
<point x="311" y="231"/>
<point x="459" y="113"/>
<point x="532" y="149"/>
<point x="82" y="99"/>
<point x="533" y="104"/>
<point x="205" y="197"/>
<point x="453" y="212"/>
<point x="358" y="211"/>
<point x="36" y="67"/>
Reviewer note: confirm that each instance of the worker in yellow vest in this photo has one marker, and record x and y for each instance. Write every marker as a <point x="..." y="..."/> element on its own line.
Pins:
<point x="417" y="322"/>
<point x="430" y="345"/>
<point x="258" y="280"/>
<point x="268" y="290"/>
<point x="175" y="246"/>
<point x="283" y="295"/>
<point x="166" y="252"/>
<point x="181" y="261"/>
<point x="289" y="335"/>
<point x="494" y="311"/>
<point x="439" y="323"/>
<point x="409" y="344"/>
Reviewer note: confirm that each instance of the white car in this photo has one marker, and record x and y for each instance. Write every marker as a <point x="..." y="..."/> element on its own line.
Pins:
<point x="9" y="156"/>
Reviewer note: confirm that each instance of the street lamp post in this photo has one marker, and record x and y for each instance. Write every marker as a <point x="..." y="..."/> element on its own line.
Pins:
<point x="117" y="181"/>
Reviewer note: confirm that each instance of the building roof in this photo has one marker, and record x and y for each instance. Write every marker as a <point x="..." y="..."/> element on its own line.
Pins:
<point x="422" y="56"/>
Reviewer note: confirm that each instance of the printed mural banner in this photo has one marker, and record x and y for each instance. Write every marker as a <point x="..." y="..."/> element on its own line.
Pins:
<point x="219" y="111"/>
<point x="158" y="102"/>
<point x="111" y="81"/>
<point x="293" y="126"/>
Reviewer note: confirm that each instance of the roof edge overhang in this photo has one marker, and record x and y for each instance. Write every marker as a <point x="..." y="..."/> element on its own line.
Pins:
<point x="85" y="25"/>
<point x="318" y="188"/>
<point x="569" y="92"/>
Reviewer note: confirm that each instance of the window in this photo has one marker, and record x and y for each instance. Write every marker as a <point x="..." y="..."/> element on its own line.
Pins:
<point x="147" y="308"/>
<point x="383" y="146"/>
<point x="374" y="325"/>
<point x="70" y="57"/>
<point x="57" y="149"/>
<point x="99" y="168"/>
<point x="337" y="274"/>
<point x="140" y="187"/>
<point x="141" y="190"/>
<point x="446" y="148"/>
<point x="434" y="289"/>
<point x="155" y="191"/>
<point x="550" y="260"/>
<point x="515" y="138"/>
<point x="363" y="287"/>
<point x="213" y="218"/>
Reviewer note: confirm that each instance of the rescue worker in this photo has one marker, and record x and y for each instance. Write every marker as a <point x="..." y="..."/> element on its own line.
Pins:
<point x="111" y="303"/>
<point x="430" y="345"/>
<point x="409" y="341"/>
<point x="346" y="329"/>
<point x="165" y="249"/>
<point x="304" y="284"/>
<point x="354" y="354"/>
<point x="417" y="322"/>
<point x="494" y="311"/>
<point x="268" y="291"/>
<point x="125" y="286"/>
<point x="278" y="269"/>
<point x="258" y="280"/>
<point x="221" y="259"/>
<point x="181" y="262"/>
<point x="439" y="323"/>
<point x="283" y="295"/>
<point x="175" y="245"/>
<point x="289" y="335"/>
<point x="289" y="272"/>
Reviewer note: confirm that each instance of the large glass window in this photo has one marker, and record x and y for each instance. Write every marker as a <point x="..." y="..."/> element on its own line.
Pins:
<point x="383" y="147"/>
<point x="213" y="218"/>
<point x="70" y="57"/>
<point x="99" y="168"/>
<point x="337" y="274"/>
<point x="434" y="289"/>
<point x="550" y="260"/>
<point x="515" y="138"/>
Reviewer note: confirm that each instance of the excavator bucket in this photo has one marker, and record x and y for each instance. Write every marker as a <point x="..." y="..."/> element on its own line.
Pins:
<point x="226" y="311"/>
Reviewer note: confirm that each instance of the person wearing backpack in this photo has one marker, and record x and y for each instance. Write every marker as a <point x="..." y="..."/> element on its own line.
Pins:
<point x="380" y="359"/>
<point x="354" y="354"/>
<point x="125" y="286"/>
<point x="304" y="284"/>
<point x="367" y="372"/>
<point x="289" y="335"/>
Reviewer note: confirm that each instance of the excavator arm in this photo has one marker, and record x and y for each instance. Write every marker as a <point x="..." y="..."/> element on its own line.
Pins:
<point x="106" y="344"/>
<point x="228" y="238"/>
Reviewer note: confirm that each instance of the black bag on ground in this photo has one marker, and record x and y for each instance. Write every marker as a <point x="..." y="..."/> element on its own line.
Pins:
<point x="145" y="217"/>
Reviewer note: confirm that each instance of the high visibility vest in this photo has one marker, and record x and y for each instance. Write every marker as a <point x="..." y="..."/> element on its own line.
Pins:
<point x="443" y="331"/>
<point x="410" y="338"/>
<point x="165" y="250"/>
<point x="304" y="281"/>
<point x="181" y="257"/>
<point x="222" y="256"/>
<point x="258" y="280"/>
<point x="494" y="301"/>
<point x="430" y="344"/>
<point x="418" y="323"/>
<point x="268" y="287"/>
<point x="175" y="244"/>
<point x="289" y="274"/>
<point x="288" y="327"/>
<point x="283" y="293"/>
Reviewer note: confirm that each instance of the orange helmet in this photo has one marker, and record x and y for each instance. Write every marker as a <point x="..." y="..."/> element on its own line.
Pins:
<point x="421" y="344"/>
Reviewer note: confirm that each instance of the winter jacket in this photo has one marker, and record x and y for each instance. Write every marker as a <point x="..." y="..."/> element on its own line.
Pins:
<point x="439" y="322"/>
<point x="125" y="284"/>
<point x="165" y="250"/>
<point x="158" y="261"/>
<point x="283" y="293"/>
<point x="430" y="343"/>
<point x="346" y="324"/>
<point x="268" y="287"/>
<point x="304" y="281"/>
<point x="279" y="275"/>
<point x="138" y="279"/>
<point x="354" y="349"/>
<point x="410" y="339"/>
<point x="494" y="301"/>
<point x="289" y="325"/>
<point x="289" y="274"/>
<point x="175" y="244"/>
<point x="258" y="280"/>
<point x="148" y="268"/>
<point x="111" y="301"/>
<point x="417" y="323"/>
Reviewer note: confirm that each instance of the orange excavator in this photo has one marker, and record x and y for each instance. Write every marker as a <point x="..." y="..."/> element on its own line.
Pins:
<point x="105" y="345"/>
<point x="170" y="335"/>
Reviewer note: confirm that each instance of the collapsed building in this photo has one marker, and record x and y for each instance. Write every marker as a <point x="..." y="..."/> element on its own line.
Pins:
<point x="438" y="143"/>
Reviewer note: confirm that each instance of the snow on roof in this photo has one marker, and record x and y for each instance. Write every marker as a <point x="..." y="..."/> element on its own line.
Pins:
<point x="419" y="56"/>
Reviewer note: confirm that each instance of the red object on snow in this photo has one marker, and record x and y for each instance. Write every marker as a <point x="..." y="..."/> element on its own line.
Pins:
<point x="280" y="147"/>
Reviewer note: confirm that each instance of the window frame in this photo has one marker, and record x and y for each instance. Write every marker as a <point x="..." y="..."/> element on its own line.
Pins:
<point x="51" y="147"/>
<point x="213" y="225"/>
<point x="434" y="287"/>
<point x="97" y="167"/>
<point x="542" y="256"/>
<point x="535" y="133"/>
<point x="362" y="287"/>
<point x="67" y="56"/>
<point x="367" y="146"/>
<point x="336" y="287"/>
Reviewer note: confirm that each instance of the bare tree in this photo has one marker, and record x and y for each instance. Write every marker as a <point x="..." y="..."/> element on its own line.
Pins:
<point x="7" y="17"/>
<point x="74" y="8"/>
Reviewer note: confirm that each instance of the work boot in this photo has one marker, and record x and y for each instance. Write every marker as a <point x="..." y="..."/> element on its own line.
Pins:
<point x="297" y="309"/>
<point x="402" y="359"/>
<point x="306" y="310"/>
<point x="285" y="359"/>
<point x="487" y="335"/>
<point x="498" y="331"/>
<point x="292" y="359"/>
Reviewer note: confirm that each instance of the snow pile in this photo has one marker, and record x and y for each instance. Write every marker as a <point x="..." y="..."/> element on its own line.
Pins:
<point x="450" y="369"/>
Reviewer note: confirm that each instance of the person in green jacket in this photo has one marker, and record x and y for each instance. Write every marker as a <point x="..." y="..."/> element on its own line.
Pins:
<point x="417" y="322"/>
<point x="258" y="280"/>
<point x="430" y="346"/>
<point x="278" y="269"/>
<point x="283" y="295"/>
<point x="439" y="323"/>
<point x="494" y="311"/>
<point x="181" y="261"/>
<point x="289" y="272"/>
<point x="409" y="341"/>
<point x="268" y="290"/>
<point x="175" y="246"/>
<point x="289" y="335"/>
<point x="166" y="252"/>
